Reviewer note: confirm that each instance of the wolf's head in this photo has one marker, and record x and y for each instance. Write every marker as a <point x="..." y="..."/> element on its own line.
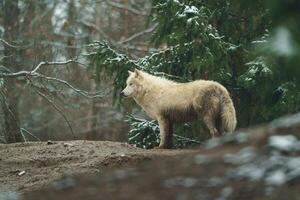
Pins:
<point x="134" y="84"/>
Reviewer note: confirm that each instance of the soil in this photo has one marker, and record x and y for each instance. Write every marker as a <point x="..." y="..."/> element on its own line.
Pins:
<point x="33" y="165"/>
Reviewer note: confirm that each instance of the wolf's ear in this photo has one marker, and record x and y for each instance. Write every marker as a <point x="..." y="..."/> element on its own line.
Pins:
<point x="138" y="73"/>
<point x="130" y="72"/>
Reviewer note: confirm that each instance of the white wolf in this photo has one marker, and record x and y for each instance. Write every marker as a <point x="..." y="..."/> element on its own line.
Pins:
<point x="168" y="102"/>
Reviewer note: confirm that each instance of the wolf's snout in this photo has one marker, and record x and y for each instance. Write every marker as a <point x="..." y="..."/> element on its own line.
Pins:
<point x="122" y="94"/>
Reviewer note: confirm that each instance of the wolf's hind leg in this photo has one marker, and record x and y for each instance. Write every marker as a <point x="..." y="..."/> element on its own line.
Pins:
<point x="219" y="125"/>
<point x="211" y="125"/>
<point x="166" y="131"/>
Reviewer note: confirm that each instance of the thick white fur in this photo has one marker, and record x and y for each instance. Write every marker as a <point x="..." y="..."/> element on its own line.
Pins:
<point x="168" y="102"/>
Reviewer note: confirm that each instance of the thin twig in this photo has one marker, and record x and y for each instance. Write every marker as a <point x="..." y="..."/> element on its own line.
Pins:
<point x="136" y="35"/>
<point x="29" y="133"/>
<point x="11" y="45"/>
<point x="24" y="138"/>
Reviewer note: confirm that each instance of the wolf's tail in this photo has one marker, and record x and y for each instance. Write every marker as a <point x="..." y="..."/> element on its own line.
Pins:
<point x="228" y="115"/>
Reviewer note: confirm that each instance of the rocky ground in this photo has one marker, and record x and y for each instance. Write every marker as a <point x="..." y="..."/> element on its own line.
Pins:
<point x="260" y="163"/>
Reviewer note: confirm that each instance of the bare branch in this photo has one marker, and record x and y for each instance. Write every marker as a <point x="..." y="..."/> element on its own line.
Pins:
<point x="17" y="74"/>
<point x="34" y="74"/>
<point x="29" y="133"/>
<point x="53" y="63"/>
<point x="34" y="71"/>
<point x="78" y="91"/>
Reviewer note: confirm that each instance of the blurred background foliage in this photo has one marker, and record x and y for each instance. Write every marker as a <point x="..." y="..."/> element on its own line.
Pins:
<point x="251" y="47"/>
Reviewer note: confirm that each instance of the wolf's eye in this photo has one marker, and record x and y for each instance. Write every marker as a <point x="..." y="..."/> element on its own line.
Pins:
<point x="130" y="84"/>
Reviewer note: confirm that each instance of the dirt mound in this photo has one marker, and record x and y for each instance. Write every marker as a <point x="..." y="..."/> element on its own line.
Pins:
<point x="33" y="165"/>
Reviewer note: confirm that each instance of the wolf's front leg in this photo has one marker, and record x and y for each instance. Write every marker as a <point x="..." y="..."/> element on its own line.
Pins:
<point x="166" y="132"/>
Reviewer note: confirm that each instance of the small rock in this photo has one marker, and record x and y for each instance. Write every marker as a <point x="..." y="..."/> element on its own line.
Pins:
<point x="49" y="142"/>
<point x="21" y="173"/>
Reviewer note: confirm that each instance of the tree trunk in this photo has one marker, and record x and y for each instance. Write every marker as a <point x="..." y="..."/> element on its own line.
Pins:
<point x="12" y="131"/>
<point x="94" y="110"/>
<point x="125" y="20"/>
